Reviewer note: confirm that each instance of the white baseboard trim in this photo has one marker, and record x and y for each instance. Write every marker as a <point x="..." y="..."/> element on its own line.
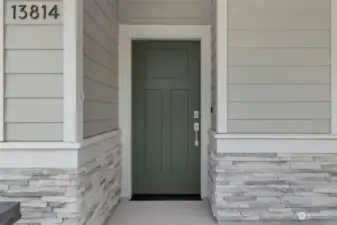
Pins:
<point x="58" y="145"/>
<point x="41" y="158"/>
<point x="246" y="143"/>
<point x="275" y="136"/>
<point x="38" y="145"/>
<point x="54" y="154"/>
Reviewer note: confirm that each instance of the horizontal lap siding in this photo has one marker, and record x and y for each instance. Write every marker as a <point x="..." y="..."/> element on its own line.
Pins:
<point x="171" y="12"/>
<point x="100" y="67"/>
<point x="33" y="80"/>
<point x="279" y="66"/>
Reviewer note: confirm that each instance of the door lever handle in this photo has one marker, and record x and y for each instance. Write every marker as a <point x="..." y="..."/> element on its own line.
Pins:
<point x="196" y="131"/>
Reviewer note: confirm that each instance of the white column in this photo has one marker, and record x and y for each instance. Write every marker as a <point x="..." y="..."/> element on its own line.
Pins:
<point x="222" y="45"/>
<point x="71" y="43"/>
<point x="334" y="67"/>
<point x="80" y="92"/>
<point x="2" y="71"/>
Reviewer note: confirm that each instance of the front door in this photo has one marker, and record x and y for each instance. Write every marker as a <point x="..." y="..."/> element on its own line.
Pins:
<point x="165" y="117"/>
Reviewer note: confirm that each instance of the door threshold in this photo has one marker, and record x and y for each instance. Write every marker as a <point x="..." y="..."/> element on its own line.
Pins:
<point x="167" y="197"/>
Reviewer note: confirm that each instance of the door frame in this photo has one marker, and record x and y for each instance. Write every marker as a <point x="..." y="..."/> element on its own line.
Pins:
<point x="128" y="33"/>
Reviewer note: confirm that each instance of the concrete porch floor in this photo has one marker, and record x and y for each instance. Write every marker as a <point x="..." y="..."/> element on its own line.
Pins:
<point x="162" y="213"/>
<point x="180" y="213"/>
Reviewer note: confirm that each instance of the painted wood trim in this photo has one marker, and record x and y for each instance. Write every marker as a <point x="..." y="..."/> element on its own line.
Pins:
<point x="125" y="100"/>
<point x="334" y="67"/>
<point x="70" y="76"/>
<point x="2" y="70"/>
<point x="273" y="136"/>
<point x="127" y="33"/>
<point x="206" y="103"/>
<point x="80" y="77"/>
<point x="286" y="146"/>
<point x="38" y="158"/>
<point x="58" y="145"/>
<point x="222" y="76"/>
<point x="38" y="145"/>
<point x="53" y="154"/>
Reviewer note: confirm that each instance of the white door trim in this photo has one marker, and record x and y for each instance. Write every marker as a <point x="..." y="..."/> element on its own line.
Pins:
<point x="127" y="33"/>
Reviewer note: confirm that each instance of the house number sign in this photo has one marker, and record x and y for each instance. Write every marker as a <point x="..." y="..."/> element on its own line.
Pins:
<point x="23" y="11"/>
<point x="39" y="12"/>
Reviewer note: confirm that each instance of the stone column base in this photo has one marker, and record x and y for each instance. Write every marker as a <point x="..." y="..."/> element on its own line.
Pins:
<point x="65" y="196"/>
<point x="273" y="186"/>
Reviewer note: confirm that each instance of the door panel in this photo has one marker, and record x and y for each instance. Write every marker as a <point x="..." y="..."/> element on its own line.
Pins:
<point x="179" y="130"/>
<point x="166" y="92"/>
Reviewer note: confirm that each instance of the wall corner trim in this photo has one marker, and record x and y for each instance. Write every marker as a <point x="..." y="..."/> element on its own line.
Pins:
<point x="222" y="51"/>
<point x="80" y="75"/>
<point x="334" y="67"/>
<point x="71" y="70"/>
<point x="2" y="70"/>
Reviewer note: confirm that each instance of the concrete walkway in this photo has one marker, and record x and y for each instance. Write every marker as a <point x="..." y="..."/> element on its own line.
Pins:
<point x="162" y="213"/>
<point x="180" y="213"/>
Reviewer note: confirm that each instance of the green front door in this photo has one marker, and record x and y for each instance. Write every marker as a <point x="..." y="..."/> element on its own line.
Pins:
<point x="166" y="106"/>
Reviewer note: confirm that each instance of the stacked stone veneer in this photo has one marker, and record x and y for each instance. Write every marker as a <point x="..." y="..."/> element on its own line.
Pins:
<point x="47" y="196"/>
<point x="100" y="187"/>
<point x="273" y="186"/>
<point x="65" y="196"/>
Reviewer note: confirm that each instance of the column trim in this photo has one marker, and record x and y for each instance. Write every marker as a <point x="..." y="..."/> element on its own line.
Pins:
<point x="333" y="67"/>
<point x="39" y="158"/>
<point x="80" y="92"/>
<point x="2" y="70"/>
<point x="222" y="47"/>
<point x="70" y="75"/>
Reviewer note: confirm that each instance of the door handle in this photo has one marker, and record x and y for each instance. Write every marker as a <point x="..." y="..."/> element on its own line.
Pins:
<point x="196" y="131"/>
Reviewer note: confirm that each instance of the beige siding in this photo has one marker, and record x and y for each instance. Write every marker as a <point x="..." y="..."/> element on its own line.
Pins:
<point x="279" y="126"/>
<point x="42" y="110"/>
<point x="279" y="66"/>
<point x="49" y="86"/>
<point x="100" y="82"/>
<point x="34" y="131"/>
<point x="52" y="37"/>
<point x="176" y="12"/>
<point x="33" y="79"/>
<point x="214" y="62"/>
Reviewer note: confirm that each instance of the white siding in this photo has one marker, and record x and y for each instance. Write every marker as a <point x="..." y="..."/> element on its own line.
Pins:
<point x="173" y="12"/>
<point x="100" y="82"/>
<point x="214" y="62"/>
<point x="279" y="66"/>
<point x="33" y="79"/>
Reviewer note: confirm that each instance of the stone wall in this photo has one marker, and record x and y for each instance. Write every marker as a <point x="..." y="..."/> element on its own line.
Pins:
<point x="65" y="196"/>
<point x="47" y="196"/>
<point x="100" y="187"/>
<point x="273" y="186"/>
